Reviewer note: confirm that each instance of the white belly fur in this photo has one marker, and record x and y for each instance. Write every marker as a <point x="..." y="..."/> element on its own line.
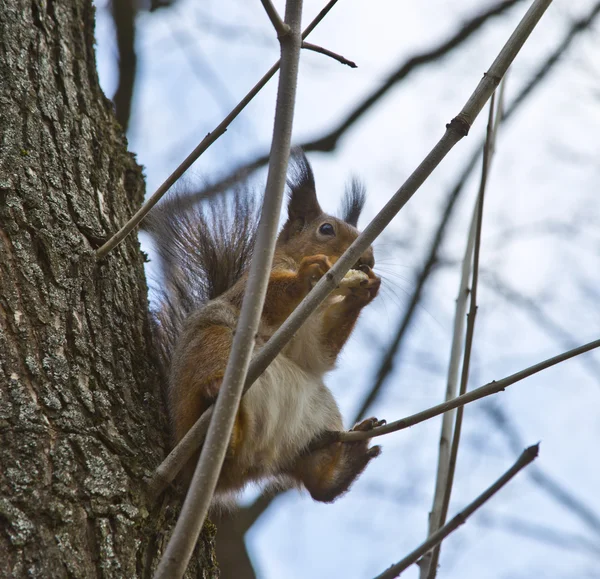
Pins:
<point x="287" y="407"/>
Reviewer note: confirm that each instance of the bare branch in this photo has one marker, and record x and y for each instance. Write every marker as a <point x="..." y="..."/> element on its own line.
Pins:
<point x="203" y="145"/>
<point x="195" y="508"/>
<point x="335" y="56"/>
<point x="451" y="385"/>
<point x="476" y="394"/>
<point x="442" y="499"/>
<point x="280" y="26"/>
<point x="455" y="131"/>
<point x="329" y="141"/>
<point x="124" y="12"/>
<point x="528" y="456"/>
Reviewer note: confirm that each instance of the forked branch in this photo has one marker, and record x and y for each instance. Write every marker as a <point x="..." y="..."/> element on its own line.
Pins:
<point x="280" y="26"/>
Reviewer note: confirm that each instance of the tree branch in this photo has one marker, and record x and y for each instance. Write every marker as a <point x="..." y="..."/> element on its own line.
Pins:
<point x="335" y="56"/>
<point x="124" y="12"/>
<point x="476" y="394"/>
<point x="202" y="146"/>
<point x="528" y="456"/>
<point x="195" y="508"/>
<point x="445" y="481"/>
<point x="280" y="26"/>
<point x="329" y="141"/>
<point x="455" y="131"/>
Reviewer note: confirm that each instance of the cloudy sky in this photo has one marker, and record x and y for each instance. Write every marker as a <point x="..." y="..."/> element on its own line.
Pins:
<point x="540" y="260"/>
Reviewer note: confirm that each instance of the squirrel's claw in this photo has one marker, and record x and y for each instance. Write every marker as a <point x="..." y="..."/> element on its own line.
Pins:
<point x="368" y="424"/>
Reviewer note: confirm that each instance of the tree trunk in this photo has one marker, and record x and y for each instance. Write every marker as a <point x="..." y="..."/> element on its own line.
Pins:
<point x="81" y="408"/>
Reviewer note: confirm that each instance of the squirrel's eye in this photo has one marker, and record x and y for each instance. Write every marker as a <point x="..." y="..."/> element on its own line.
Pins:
<point x="326" y="229"/>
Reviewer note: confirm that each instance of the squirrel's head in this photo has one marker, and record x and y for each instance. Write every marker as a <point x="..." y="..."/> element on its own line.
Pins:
<point x="310" y="231"/>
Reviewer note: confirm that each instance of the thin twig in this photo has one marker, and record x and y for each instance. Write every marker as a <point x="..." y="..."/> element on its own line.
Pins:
<point x="440" y="510"/>
<point x="528" y="456"/>
<point x="195" y="508"/>
<point x="202" y="146"/>
<point x="451" y="384"/>
<point x="476" y="394"/>
<point x="334" y="55"/>
<point x="455" y="131"/>
<point x="280" y="26"/>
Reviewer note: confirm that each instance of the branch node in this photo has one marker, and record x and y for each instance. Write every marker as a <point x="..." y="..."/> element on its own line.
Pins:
<point x="281" y="28"/>
<point x="493" y="77"/>
<point x="459" y="125"/>
<point x="283" y="32"/>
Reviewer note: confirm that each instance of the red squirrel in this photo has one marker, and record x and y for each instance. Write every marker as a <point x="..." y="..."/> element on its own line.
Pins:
<point x="205" y="254"/>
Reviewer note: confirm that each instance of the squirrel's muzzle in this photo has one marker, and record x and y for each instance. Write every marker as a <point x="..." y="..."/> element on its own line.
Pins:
<point x="366" y="259"/>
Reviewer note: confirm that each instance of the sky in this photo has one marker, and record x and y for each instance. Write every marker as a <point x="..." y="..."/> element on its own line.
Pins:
<point x="540" y="263"/>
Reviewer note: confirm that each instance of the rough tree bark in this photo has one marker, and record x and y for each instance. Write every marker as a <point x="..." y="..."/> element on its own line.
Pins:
<point x="81" y="412"/>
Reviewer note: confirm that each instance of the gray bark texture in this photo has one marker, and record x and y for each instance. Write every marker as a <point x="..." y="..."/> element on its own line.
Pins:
<point x="82" y="419"/>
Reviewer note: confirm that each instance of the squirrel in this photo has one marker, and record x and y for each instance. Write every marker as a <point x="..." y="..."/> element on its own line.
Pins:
<point x="205" y="253"/>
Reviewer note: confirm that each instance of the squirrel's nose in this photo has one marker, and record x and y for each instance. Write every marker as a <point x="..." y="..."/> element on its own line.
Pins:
<point x="365" y="259"/>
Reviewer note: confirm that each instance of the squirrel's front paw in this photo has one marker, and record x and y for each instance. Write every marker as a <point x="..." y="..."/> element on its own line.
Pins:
<point x="353" y="279"/>
<point x="313" y="268"/>
<point x="359" y="286"/>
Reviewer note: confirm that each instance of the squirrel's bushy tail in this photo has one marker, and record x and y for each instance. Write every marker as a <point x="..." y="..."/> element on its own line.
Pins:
<point x="203" y="251"/>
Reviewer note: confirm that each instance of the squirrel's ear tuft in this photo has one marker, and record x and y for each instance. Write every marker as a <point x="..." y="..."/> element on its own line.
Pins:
<point x="303" y="204"/>
<point x="353" y="203"/>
